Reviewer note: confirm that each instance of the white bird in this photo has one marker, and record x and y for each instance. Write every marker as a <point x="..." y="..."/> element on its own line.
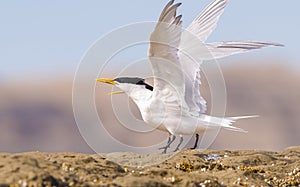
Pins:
<point x="174" y="103"/>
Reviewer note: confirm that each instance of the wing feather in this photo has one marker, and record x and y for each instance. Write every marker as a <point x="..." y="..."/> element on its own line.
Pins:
<point x="224" y="49"/>
<point x="204" y="24"/>
<point x="163" y="55"/>
<point x="172" y="67"/>
<point x="201" y="27"/>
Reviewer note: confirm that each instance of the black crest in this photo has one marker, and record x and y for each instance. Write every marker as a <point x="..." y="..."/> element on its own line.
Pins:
<point x="134" y="80"/>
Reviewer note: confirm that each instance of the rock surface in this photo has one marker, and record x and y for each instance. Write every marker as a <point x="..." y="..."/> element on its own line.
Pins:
<point x="186" y="168"/>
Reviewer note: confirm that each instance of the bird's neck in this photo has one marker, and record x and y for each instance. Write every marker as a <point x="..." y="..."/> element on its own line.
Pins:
<point x="142" y="99"/>
<point x="140" y="96"/>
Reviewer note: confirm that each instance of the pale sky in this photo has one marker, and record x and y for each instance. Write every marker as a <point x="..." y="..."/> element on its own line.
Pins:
<point x="46" y="38"/>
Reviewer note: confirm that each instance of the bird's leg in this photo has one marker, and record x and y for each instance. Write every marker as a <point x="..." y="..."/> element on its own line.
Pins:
<point x="177" y="148"/>
<point x="170" y="141"/>
<point x="196" y="142"/>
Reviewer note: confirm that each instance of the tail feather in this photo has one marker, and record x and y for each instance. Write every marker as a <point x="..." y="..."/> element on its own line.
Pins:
<point x="227" y="125"/>
<point x="236" y="129"/>
<point x="241" y="117"/>
<point x="227" y="122"/>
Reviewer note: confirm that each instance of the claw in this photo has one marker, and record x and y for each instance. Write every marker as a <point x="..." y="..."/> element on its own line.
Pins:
<point x="164" y="149"/>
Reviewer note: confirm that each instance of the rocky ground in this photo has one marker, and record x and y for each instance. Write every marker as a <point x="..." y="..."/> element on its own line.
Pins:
<point x="186" y="168"/>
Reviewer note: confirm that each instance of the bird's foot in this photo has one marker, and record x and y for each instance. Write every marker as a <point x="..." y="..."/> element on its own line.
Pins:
<point x="164" y="149"/>
<point x="170" y="141"/>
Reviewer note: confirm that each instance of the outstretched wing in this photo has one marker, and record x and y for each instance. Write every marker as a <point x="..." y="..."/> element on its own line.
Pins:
<point x="192" y="44"/>
<point x="193" y="51"/>
<point x="223" y="49"/>
<point x="163" y="55"/>
<point x="205" y="23"/>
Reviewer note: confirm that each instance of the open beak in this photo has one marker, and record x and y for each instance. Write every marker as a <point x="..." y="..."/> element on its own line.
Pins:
<point x="105" y="80"/>
<point x="109" y="81"/>
<point x="118" y="92"/>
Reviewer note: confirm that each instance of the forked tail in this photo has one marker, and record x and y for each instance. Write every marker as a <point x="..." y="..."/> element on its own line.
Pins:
<point x="227" y="122"/>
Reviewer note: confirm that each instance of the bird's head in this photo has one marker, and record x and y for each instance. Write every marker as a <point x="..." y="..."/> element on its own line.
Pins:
<point x="128" y="85"/>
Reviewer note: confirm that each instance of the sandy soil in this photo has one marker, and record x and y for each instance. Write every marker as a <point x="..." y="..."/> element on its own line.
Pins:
<point x="187" y="168"/>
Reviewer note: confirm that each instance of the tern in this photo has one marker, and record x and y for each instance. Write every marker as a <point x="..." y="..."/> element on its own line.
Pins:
<point x="174" y="103"/>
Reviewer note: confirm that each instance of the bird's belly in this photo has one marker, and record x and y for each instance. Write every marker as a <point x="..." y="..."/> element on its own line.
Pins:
<point x="155" y="120"/>
<point x="175" y="124"/>
<point x="174" y="121"/>
<point x="183" y="125"/>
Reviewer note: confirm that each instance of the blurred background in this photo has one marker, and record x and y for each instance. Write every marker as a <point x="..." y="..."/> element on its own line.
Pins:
<point x="42" y="44"/>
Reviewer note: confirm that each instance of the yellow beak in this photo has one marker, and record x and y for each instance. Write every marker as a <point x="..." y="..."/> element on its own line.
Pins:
<point x="109" y="81"/>
<point x="105" y="80"/>
<point x="118" y="92"/>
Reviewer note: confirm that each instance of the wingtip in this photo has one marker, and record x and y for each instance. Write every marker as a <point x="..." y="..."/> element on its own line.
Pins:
<point x="274" y="44"/>
<point x="221" y="2"/>
<point x="280" y="45"/>
<point x="170" y="3"/>
<point x="225" y="2"/>
<point x="177" y="5"/>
